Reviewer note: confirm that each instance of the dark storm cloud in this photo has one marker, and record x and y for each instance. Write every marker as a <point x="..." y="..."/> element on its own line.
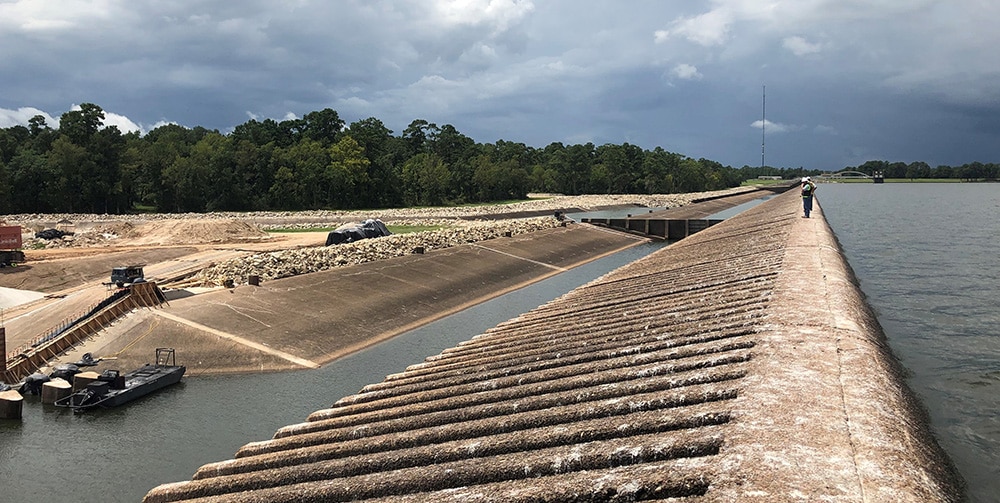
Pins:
<point x="847" y="80"/>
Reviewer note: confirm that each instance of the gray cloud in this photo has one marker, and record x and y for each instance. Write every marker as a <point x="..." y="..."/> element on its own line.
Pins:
<point x="897" y="79"/>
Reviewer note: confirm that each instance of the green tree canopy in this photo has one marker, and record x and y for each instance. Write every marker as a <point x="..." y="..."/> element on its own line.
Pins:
<point x="316" y="162"/>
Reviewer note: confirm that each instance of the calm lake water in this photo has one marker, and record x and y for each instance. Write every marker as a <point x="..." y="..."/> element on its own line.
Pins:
<point x="117" y="455"/>
<point x="927" y="258"/>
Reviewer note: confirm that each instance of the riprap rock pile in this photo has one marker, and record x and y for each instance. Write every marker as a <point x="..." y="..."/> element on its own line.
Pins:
<point x="285" y="263"/>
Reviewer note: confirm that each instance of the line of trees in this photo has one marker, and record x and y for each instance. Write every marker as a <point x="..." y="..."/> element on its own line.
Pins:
<point x="919" y="169"/>
<point x="313" y="162"/>
<point x="319" y="162"/>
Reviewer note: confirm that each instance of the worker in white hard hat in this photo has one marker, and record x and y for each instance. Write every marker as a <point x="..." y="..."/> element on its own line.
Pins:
<point x="808" y="189"/>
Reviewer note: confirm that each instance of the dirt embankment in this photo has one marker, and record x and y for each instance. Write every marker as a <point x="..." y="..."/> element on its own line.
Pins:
<point x="93" y="244"/>
<point x="139" y="233"/>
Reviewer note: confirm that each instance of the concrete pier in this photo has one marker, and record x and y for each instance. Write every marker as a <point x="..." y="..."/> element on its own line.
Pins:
<point x="56" y="389"/>
<point x="11" y="404"/>
<point x="739" y="364"/>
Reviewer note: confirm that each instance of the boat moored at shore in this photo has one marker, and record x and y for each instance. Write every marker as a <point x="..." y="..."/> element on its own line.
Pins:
<point x="112" y="388"/>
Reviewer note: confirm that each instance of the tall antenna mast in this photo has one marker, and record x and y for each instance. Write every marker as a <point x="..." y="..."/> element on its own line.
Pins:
<point x="763" y="122"/>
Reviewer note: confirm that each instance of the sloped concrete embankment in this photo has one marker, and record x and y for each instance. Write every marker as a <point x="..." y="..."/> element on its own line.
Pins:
<point x="308" y="320"/>
<point x="740" y="364"/>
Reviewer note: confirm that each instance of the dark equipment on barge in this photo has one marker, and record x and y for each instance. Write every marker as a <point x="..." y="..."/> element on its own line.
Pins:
<point x="112" y="389"/>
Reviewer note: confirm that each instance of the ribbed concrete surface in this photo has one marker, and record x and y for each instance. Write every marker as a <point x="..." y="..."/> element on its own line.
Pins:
<point x="740" y="364"/>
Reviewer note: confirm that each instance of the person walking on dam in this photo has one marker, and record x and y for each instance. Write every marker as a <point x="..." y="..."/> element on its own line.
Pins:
<point x="808" y="188"/>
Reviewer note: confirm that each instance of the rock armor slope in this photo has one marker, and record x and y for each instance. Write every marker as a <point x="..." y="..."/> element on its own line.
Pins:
<point x="740" y="364"/>
<point x="285" y="263"/>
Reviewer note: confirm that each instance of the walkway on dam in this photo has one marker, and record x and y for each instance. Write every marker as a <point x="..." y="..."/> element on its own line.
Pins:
<point x="739" y="364"/>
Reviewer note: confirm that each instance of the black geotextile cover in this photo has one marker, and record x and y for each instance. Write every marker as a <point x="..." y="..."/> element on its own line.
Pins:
<point x="368" y="229"/>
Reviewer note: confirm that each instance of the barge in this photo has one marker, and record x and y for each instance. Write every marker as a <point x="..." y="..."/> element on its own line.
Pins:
<point x="112" y="389"/>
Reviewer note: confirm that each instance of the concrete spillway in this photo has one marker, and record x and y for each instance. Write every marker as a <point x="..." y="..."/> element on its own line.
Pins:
<point x="739" y="364"/>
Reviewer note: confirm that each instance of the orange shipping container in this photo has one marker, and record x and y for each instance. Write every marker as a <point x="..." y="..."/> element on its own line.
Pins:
<point x="10" y="237"/>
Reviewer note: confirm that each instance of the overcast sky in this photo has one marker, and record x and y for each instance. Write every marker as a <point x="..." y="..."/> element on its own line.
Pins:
<point x="846" y="80"/>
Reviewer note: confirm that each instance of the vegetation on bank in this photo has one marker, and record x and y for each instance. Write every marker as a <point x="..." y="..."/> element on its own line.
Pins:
<point x="319" y="162"/>
<point x="902" y="180"/>
<point x="973" y="171"/>
<point x="818" y="178"/>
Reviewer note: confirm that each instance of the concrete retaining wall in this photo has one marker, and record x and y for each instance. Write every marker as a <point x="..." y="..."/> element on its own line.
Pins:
<point x="740" y="364"/>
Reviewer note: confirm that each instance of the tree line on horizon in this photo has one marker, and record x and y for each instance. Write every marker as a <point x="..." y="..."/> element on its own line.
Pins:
<point x="919" y="169"/>
<point x="319" y="162"/>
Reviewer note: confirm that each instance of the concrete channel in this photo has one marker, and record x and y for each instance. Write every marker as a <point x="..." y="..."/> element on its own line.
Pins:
<point x="739" y="364"/>
<point x="678" y="223"/>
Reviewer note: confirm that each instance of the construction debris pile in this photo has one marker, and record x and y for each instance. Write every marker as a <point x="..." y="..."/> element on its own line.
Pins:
<point x="285" y="263"/>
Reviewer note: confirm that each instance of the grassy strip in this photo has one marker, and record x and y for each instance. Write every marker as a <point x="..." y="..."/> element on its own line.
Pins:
<point x="756" y="183"/>
<point x="406" y="229"/>
<point x="395" y="229"/>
